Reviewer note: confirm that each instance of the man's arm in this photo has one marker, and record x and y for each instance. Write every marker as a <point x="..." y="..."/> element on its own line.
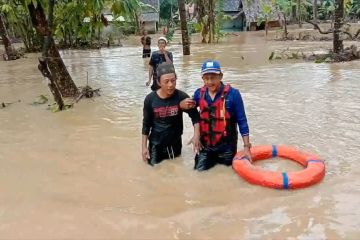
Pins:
<point x="146" y="127"/>
<point x="241" y="119"/>
<point x="188" y="105"/>
<point x="167" y="58"/>
<point x="145" y="151"/>
<point x="151" y="69"/>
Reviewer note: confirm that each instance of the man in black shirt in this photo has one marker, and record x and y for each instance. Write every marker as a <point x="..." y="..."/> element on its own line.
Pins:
<point x="163" y="121"/>
<point x="157" y="58"/>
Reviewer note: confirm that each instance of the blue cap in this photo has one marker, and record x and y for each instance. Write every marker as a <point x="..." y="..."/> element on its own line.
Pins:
<point x="210" y="66"/>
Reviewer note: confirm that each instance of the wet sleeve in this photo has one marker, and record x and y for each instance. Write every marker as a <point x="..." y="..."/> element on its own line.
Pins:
<point x="193" y="113"/>
<point x="197" y="97"/>
<point x="240" y="114"/>
<point x="171" y="57"/>
<point x="152" y="60"/>
<point x="147" y="116"/>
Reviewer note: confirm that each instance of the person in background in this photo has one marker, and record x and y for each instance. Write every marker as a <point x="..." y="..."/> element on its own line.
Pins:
<point x="163" y="119"/>
<point x="158" y="57"/>
<point x="146" y="42"/>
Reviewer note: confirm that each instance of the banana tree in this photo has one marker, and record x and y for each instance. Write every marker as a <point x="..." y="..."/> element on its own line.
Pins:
<point x="130" y="9"/>
<point x="69" y="23"/>
<point x="206" y="10"/>
<point x="19" y="19"/>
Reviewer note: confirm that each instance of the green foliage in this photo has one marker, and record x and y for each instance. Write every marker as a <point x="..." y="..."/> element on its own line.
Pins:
<point x="219" y="22"/>
<point x="69" y="18"/>
<point x="267" y="11"/>
<point x="168" y="8"/>
<point x="327" y="9"/>
<point x="17" y="16"/>
<point x="170" y="34"/>
<point x="354" y="9"/>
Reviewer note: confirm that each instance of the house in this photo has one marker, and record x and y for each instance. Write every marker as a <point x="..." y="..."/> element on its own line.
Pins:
<point x="149" y="17"/>
<point x="254" y="12"/>
<point x="234" y="9"/>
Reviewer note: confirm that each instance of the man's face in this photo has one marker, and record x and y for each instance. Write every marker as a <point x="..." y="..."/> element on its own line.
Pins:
<point x="212" y="81"/>
<point x="161" y="44"/>
<point x="167" y="83"/>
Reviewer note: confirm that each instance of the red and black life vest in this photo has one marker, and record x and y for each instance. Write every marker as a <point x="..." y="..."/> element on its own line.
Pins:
<point x="215" y="121"/>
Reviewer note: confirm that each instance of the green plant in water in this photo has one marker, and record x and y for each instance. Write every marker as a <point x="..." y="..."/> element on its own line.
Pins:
<point x="170" y="34"/>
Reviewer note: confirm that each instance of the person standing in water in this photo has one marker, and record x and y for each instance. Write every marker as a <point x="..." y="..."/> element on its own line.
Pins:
<point x="158" y="57"/>
<point x="146" y="42"/>
<point x="221" y="109"/>
<point x="163" y="119"/>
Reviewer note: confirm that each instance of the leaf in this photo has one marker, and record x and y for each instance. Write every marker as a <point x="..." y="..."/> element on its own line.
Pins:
<point x="54" y="108"/>
<point x="6" y="8"/>
<point x="40" y="100"/>
<point x="272" y="56"/>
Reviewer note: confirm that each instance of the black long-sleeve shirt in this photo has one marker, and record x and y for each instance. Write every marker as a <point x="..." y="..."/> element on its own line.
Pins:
<point x="163" y="119"/>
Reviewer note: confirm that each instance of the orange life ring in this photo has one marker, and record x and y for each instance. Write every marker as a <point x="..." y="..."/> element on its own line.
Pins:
<point x="313" y="173"/>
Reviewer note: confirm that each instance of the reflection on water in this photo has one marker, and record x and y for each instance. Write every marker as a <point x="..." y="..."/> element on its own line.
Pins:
<point x="78" y="173"/>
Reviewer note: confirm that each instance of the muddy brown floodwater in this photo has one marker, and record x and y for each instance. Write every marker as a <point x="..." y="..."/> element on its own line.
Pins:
<point x="78" y="174"/>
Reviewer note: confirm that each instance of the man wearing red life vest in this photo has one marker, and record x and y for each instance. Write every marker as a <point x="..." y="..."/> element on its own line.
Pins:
<point x="221" y="109"/>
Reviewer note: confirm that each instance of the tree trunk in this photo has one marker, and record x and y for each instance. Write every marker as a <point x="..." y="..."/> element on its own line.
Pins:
<point x="339" y="17"/>
<point x="315" y="11"/>
<point x="184" y="28"/>
<point x="10" y="53"/>
<point x="211" y="21"/>
<point x="53" y="60"/>
<point x="293" y="12"/>
<point x="285" y="26"/>
<point x="201" y="19"/>
<point x="299" y="13"/>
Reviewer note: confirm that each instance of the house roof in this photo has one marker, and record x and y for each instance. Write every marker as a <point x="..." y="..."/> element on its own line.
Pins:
<point x="149" y="17"/>
<point x="154" y="3"/>
<point x="231" y="5"/>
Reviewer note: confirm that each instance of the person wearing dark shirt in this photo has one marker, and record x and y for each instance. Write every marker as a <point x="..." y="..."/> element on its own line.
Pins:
<point x="158" y="57"/>
<point x="163" y="119"/>
<point x="146" y="42"/>
<point x="221" y="109"/>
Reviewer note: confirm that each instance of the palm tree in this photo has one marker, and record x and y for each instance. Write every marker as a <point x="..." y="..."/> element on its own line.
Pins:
<point x="184" y="28"/>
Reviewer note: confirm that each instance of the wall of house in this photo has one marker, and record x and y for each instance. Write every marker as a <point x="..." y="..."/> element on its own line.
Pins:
<point x="151" y="27"/>
<point x="234" y="24"/>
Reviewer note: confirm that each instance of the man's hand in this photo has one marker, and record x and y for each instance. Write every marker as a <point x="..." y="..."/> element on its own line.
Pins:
<point x="145" y="154"/>
<point x="187" y="104"/>
<point x="247" y="153"/>
<point x="162" y="51"/>
<point x="196" y="144"/>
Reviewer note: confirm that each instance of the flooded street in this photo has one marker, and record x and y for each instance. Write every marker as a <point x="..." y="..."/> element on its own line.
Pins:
<point x="79" y="174"/>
